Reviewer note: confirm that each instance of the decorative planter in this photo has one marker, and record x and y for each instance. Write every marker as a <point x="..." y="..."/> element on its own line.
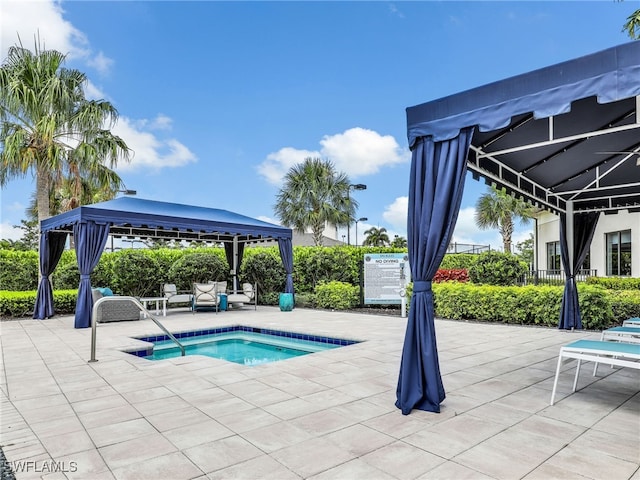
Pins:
<point x="286" y="302"/>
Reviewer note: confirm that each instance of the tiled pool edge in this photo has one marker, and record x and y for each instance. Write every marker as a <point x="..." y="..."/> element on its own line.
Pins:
<point x="237" y="328"/>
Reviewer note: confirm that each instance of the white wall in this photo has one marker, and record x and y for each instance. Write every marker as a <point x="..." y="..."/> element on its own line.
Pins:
<point x="548" y="231"/>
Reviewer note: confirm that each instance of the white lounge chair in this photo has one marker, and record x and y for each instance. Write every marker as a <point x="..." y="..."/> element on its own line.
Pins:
<point x="172" y="295"/>
<point x="246" y="296"/>
<point x="621" y="354"/>
<point x="632" y="322"/>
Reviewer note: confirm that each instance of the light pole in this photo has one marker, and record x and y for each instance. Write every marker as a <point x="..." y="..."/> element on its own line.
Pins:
<point x="126" y="191"/>
<point x="355" y="186"/>
<point x="361" y="219"/>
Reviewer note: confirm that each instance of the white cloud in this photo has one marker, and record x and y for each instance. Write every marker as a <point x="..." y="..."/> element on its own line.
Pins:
<point x="92" y="92"/>
<point x="278" y="163"/>
<point x="394" y="9"/>
<point x="161" y="122"/>
<point x="27" y="20"/>
<point x="264" y="218"/>
<point x="466" y="230"/>
<point x="100" y="62"/>
<point x="150" y="151"/>
<point x="357" y="152"/>
<point x="9" y="232"/>
<point x="396" y="214"/>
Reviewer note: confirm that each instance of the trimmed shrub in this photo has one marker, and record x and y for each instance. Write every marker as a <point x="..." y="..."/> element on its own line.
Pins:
<point x="324" y="264"/>
<point x="306" y="300"/>
<point x="269" y="298"/>
<point x="616" y="283"/>
<point x="197" y="267"/>
<point x="458" y="261"/>
<point x="21" y="304"/>
<point x="265" y="268"/>
<point x="497" y="268"/>
<point x="624" y="304"/>
<point x="18" y="270"/>
<point x="530" y="305"/>
<point x="337" y="295"/>
<point x="67" y="276"/>
<point x="134" y="274"/>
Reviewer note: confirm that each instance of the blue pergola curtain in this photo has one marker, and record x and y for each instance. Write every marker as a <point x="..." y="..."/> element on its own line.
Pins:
<point x="90" y="239"/>
<point x="51" y="248"/>
<point x="584" y="226"/>
<point x="228" y="251"/>
<point x="435" y="192"/>
<point x="286" y="254"/>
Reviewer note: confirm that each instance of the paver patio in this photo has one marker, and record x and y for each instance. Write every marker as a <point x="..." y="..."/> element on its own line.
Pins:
<point x="328" y="415"/>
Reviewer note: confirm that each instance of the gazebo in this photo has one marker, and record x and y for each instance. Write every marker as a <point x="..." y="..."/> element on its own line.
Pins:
<point x="131" y="217"/>
<point x="565" y="137"/>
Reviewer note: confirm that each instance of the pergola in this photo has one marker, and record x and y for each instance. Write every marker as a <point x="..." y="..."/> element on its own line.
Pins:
<point x="130" y="217"/>
<point x="565" y="137"/>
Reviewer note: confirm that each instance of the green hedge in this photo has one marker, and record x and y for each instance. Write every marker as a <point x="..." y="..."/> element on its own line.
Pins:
<point x="20" y="304"/>
<point x="616" y="283"/>
<point x="532" y="305"/>
<point x="497" y="268"/>
<point x="18" y="270"/>
<point x="336" y="295"/>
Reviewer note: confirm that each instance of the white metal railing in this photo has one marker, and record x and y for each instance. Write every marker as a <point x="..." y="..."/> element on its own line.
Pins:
<point x="136" y="302"/>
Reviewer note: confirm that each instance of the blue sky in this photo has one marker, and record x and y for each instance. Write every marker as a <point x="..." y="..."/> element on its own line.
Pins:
<point x="219" y="99"/>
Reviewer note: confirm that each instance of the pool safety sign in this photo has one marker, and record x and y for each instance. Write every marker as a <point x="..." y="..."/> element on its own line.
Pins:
<point x="385" y="278"/>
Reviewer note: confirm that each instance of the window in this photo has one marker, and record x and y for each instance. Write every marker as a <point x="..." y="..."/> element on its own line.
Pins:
<point x="586" y="265"/>
<point x="619" y="253"/>
<point x="553" y="256"/>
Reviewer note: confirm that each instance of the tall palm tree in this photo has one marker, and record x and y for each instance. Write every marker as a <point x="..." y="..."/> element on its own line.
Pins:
<point x="376" y="237"/>
<point x="497" y="209"/>
<point x="632" y="25"/>
<point x="313" y="195"/>
<point x="399" y="242"/>
<point x="50" y="129"/>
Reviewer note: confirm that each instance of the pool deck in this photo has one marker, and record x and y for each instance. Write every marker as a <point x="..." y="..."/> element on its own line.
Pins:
<point x="327" y="415"/>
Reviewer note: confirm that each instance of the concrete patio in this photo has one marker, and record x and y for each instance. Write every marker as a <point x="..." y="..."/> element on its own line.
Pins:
<point x="327" y="415"/>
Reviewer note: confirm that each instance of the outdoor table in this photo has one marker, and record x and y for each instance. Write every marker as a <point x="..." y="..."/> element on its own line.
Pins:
<point x="144" y="301"/>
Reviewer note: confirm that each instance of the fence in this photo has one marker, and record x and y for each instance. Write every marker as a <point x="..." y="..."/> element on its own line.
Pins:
<point x="467" y="248"/>
<point x="554" y="277"/>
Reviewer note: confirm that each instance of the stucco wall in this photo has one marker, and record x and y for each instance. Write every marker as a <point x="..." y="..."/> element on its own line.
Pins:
<point x="548" y="231"/>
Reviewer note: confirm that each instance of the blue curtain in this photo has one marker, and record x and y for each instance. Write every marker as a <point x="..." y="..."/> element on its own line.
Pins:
<point x="51" y="248"/>
<point x="286" y="254"/>
<point x="435" y="192"/>
<point x="90" y="239"/>
<point x="228" y="251"/>
<point x="584" y="226"/>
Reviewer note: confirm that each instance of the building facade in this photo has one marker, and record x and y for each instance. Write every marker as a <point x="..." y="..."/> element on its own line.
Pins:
<point x="614" y="252"/>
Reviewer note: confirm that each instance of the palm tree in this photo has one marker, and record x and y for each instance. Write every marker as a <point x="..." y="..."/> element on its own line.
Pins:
<point x="399" y="242"/>
<point x="50" y="129"/>
<point x="632" y="25"/>
<point x="313" y="195"/>
<point x="376" y="237"/>
<point x="497" y="209"/>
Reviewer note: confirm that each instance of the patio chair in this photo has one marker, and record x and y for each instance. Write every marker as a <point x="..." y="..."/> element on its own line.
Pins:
<point x="246" y="296"/>
<point x="170" y="291"/>
<point x="205" y="295"/>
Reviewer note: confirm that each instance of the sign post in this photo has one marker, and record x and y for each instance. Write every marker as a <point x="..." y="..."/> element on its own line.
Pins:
<point x="385" y="279"/>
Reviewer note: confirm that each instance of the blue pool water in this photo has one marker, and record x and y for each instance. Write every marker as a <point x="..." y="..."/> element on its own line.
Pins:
<point x="244" y="345"/>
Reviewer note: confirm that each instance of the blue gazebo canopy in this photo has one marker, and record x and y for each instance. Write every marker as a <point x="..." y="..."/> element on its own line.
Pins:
<point x="131" y="217"/>
<point x="138" y="217"/>
<point x="565" y="137"/>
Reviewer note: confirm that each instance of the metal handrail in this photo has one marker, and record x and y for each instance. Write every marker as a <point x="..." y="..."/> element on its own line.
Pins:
<point x="94" y="311"/>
